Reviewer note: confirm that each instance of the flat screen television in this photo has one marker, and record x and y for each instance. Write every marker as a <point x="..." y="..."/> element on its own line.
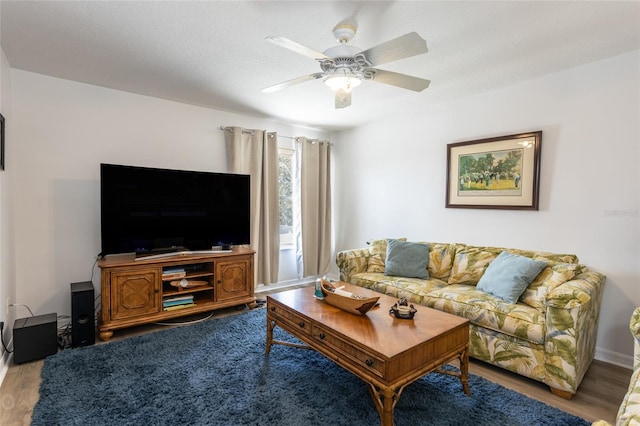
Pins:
<point x="154" y="211"/>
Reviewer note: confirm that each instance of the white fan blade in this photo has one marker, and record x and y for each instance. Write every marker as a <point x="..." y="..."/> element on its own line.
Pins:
<point x="405" y="46"/>
<point x="343" y="98"/>
<point x="292" y="82"/>
<point x="400" y="80"/>
<point x="297" y="47"/>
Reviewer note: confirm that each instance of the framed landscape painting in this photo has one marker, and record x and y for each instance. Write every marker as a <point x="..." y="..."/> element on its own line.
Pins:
<point x="495" y="173"/>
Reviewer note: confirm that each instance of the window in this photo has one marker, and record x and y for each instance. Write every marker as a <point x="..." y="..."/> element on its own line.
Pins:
<point x="285" y="193"/>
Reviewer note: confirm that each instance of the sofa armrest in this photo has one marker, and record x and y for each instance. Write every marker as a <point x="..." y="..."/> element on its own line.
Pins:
<point x="577" y="292"/>
<point x="572" y="312"/>
<point x="352" y="262"/>
<point x="629" y="411"/>
<point x="634" y="326"/>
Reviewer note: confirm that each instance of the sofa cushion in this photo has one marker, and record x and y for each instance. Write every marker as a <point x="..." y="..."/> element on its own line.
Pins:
<point x="469" y="264"/>
<point x="488" y="311"/>
<point x="413" y="289"/>
<point x="543" y="255"/>
<point x="407" y="259"/>
<point x="509" y="275"/>
<point x="555" y="274"/>
<point x="378" y="254"/>
<point x="441" y="259"/>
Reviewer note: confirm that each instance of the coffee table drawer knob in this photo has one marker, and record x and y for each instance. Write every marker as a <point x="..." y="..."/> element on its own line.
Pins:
<point x="301" y="324"/>
<point x="273" y="308"/>
<point x="322" y="336"/>
<point x="369" y="362"/>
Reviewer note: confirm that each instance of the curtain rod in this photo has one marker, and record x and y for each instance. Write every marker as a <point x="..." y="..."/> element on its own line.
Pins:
<point x="281" y="136"/>
<point x="297" y="139"/>
<point x="252" y="132"/>
<point x="271" y="134"/>
<point x="230" y="129"/>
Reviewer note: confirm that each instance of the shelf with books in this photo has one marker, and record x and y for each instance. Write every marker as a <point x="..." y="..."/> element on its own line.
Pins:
<point x="139" y="292"/>
<point x="188" y="272"/>
<point x="199" y="295"/>
<point x="169" y="290"/>
<point x="171" y="303"/>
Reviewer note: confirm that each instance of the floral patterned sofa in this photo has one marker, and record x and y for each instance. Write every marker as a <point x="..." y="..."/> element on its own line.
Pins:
<point x="629" y="413"/>
<point x="549" y="334"/>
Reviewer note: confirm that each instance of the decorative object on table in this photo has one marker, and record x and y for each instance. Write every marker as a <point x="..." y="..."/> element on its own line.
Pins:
<point x="185" y="283"/>
<point x="345" y="300"/>
<point x="318" y="291"/>
<point x="403" y="310"/>
<point x="495" y="173"/>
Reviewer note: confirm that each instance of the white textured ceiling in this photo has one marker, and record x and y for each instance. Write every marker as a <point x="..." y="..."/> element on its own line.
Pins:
<point x="214" y="53"/>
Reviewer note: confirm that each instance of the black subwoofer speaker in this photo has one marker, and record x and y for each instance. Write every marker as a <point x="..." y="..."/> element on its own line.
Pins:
<point x="34" y="338"/>
<point x="83" y="327"/>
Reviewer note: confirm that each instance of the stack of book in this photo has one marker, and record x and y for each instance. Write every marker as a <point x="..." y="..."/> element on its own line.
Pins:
<point x="173" y="273"/>
<point x="173" y="303"/>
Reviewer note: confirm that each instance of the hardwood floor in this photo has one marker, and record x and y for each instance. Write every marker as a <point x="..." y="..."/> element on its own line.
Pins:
<point x="598" y="397"/>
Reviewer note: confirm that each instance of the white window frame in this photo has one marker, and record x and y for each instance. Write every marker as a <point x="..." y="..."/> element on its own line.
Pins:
<point x="286" y="239"/>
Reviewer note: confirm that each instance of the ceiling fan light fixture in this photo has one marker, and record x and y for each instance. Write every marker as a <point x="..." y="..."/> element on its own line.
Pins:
<point x="344" y="81"/>
<point x="345" y="66"/>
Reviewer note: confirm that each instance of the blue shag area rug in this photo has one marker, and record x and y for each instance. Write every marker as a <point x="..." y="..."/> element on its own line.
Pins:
<point x="215" y="373"/>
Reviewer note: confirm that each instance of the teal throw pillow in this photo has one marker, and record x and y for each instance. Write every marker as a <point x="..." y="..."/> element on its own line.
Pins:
<point x="509" y="275"/>
<point x="406" y="259"/>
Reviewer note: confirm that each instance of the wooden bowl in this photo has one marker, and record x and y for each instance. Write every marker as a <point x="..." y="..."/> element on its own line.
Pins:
<point x="347" y="301"/>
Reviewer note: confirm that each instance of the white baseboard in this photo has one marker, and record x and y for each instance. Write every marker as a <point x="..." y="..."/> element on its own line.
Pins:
<point x="615" y="358"/>
<point x="3" y="368"/>
<point x="5" y="360"/>
<point x="284" y="284"/>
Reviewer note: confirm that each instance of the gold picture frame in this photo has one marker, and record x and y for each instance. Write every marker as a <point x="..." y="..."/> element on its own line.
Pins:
<point x="495" y="173"/>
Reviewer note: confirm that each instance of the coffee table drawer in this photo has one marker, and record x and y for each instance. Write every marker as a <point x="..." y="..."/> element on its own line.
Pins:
<point x="336" y="344"/>
<point x="295" y="321"/>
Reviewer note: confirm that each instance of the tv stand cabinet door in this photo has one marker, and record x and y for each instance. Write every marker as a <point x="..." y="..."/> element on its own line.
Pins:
<point x="234" y="278"/>
<point x="135" y="293"/>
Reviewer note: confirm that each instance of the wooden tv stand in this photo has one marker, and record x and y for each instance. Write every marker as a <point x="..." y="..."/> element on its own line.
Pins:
<point x="133" y="292"/>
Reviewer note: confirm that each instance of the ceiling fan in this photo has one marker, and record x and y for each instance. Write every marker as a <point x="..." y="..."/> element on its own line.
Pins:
<point x="345" y="66"/>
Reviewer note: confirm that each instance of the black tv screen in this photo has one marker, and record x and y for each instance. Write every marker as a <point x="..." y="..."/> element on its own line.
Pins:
<point x="148" y="210"/>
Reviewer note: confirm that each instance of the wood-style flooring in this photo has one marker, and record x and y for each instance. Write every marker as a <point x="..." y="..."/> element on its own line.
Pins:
<point x="598" y="397"/>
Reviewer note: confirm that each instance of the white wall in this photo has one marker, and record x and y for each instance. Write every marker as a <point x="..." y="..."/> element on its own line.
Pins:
<point x="390" y="179"/>
<point x="63" y="130"/>
<point x="389" y="176"/>
<point x="7" y="270"/>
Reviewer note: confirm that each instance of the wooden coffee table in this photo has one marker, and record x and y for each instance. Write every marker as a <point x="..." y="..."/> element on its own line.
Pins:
<point x="386" y="352"/>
